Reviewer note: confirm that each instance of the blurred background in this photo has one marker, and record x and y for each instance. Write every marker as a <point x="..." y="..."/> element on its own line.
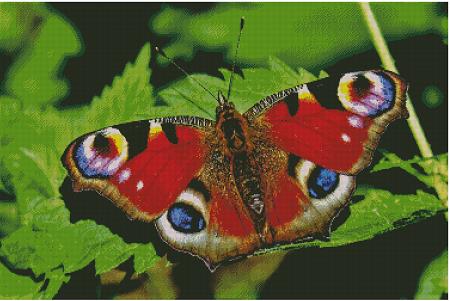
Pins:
<point x="65" y="53"/>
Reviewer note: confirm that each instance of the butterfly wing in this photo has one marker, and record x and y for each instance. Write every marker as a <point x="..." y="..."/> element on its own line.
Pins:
<point x="141" y="166"/>
<point x="326" y="132"/>
<point x="334" y="122"/>
<point x="306" y="201"/>
<point x="208" y="223"/>
<point x="208" y="218"/>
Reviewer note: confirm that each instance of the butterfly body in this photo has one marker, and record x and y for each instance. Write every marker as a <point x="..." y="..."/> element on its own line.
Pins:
<point x="221" y="189"/>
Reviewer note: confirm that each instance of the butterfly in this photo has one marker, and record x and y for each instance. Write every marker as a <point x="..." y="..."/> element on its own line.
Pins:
<point x="276" y="174"/>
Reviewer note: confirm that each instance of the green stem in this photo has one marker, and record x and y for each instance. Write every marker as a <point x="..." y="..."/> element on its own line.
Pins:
<point x="389" y="64"/>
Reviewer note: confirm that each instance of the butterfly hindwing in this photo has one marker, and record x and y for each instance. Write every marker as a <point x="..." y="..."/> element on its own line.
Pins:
<point x="141" y="166"/>
<point x="334" y="122"/>
<point x="308" y="199"/>
<point x="209" y="224"/>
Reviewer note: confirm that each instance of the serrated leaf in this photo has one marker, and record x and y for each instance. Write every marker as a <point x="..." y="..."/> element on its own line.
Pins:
<point x="36" y="176"/>
<point x="187" y="97"/>
<point x="129" y="94"/>
<point x="31" y="155"/>
<point x="144" y="257"/>
<point x="434" y="280"/>
<point x="433" y="172"/>
<point x="380" y="211"/>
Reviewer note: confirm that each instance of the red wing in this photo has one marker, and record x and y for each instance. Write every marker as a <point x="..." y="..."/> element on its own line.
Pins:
<point x="320" y="135"/>
<point x="335" y="123"/>
<point x="209" y="222"/>
<point x="141" y="166"/>
<point x="287" y="201"/>
<point x="306" y="200"/>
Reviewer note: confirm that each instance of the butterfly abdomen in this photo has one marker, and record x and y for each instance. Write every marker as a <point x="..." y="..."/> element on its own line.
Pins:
<point x="248" y="182"/>
<point x="238" y="147"/>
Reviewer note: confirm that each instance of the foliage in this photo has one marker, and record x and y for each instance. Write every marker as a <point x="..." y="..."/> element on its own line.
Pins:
<point x="30" y="159"/>
<point x="13" y="37"/>
<point x="311" y="35"/>
<point x="34" y="75"/>
<point x="46" y="248"/>
<point x="30" y="164"/>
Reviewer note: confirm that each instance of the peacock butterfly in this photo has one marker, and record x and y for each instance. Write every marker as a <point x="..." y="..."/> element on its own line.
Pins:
<point x="276" y="174"/>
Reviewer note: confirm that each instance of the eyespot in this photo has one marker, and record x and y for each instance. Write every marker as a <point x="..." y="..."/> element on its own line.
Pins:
<point x="185" y="218"/>
<point x="366" y="93"/>
<point x="322" y="182"/>
<point x="101" y="154"/>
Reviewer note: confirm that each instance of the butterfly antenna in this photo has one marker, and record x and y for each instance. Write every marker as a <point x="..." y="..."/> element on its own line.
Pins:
<point x="163" y="54"/>
<point x="235" y="58"/>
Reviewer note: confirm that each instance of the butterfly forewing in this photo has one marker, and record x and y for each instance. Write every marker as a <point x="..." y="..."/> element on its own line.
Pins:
<point x="334" y="122"/>
<point x="141" y="166"/>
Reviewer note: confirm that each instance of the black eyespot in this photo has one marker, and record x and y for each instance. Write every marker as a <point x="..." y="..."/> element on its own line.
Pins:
<point x="101" y="143"/>
<point x="185" y="218"/>
<point x="322" y="182"/>
<point x="361" y="85"/>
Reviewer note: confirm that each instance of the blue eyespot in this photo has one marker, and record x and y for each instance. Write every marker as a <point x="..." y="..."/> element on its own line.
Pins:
<point x="185" y="218"/>
<point x="322" y="182"/>
<point x="101" y="154"/>
<point x="388" y="93"/>
<point x="368" y="93"/>
<point x="90" y="167"/>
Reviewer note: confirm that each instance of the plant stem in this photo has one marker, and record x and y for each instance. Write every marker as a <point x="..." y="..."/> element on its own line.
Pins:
<point x="389" y="64"/>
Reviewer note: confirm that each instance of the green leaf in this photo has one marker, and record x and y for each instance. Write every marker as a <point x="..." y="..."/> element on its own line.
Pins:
<point x="308" y="34"/>
<point x="26" y="248"/>
<point x="9" y="220"/>
<point x="433" y="172"/>
<point x="47" y="243"/>
<point x="144" y="257"/>
<point x="130" y="94"/>
<point x="380" y="211"/>
<point x="111" y="254"/>
<point x="56" y="278"/>
<point x="13" y="286"/>
<point x="186" y="97"/>
<point x="430" y="166"/>
<point x="34" y="76"/>
<point x="434" y="280"/>
<point x="72" y="246"/>
<point x="12" y="37"/>
<point x="245" y="279"/>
